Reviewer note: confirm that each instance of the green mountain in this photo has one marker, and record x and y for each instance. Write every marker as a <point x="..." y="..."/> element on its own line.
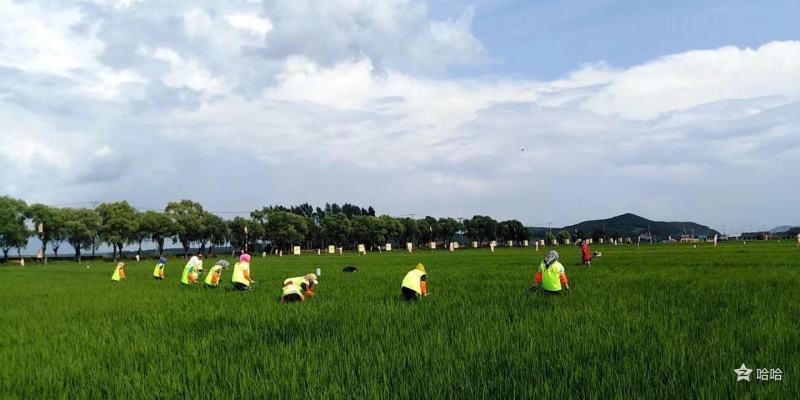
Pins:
<point x="631" y="225"/>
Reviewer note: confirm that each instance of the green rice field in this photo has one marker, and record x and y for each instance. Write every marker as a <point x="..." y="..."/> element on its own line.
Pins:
<point x="660" y="321"/>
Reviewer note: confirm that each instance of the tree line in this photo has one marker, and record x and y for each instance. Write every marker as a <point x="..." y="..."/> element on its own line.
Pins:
<point x="270" y="228"/>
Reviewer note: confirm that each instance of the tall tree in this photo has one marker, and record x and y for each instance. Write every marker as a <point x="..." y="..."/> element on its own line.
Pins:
<point x="362" y="229"/>
<point x="158" y="227"/>
<point x="394" y="229"/>
<point x="411" y="232"/>
<point x="43" y="216"/>
<point x="285" y="228"/>
<point x="217" y="232"/>
<point x="119" y="225"/>
<point x="513" y="230"/>
<point x="81" y="227"/>
<point x="238" y="237"/>
<point x="428" y="229"/>
<point x="448" y="228"/>
<point x="13" y="232"/>
<point x="336" y="228"/>
<point x="471" y="229"/>
<point x="563" y="236"/>
<point x="485" y="228"/>
<point x="59" y="232"/>
<point x="142" y="232"/>
<point x="376" y="230"/>
<point x="188" y="217"/>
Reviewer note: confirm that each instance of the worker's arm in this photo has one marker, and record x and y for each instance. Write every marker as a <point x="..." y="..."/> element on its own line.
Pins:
<point x="538" y="279"/>
<point x="246" y="274"/>
<point x="309" y="291"/>
<point x="423" y="287"/>
<point x="564" y="280"/>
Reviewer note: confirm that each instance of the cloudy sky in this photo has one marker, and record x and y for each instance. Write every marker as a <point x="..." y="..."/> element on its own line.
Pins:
<point x="680" y="111"/>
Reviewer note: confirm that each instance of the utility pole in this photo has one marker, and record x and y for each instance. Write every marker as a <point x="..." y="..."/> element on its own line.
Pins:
<point x="461" y="230"/>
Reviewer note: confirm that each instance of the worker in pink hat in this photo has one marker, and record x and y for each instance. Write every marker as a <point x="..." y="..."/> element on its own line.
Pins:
<point x="241" y="273"/>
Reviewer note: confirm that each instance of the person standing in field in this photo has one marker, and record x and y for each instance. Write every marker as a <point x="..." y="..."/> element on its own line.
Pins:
<point x="189" y="276"/>
<point x="158" y="272"/>
<point x="241" y="273"/>
<point x="551" y="277"/>
<point x="119" y="272"/>
<point x="586" y="254"/>
<point x="415" y="283"/>
<point x="214" y="275"/>
<point x="298" y="288"/>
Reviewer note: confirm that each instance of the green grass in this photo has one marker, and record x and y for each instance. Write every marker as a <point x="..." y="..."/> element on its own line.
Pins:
<point x="662" y="321"/>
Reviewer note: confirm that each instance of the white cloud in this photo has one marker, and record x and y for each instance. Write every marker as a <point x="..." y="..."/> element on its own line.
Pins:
<point x="250" y="23"/>
<point x="116" y="4"/>
<point x="185" y="73"/>
<point x="39" y="39"/>
<point x="353" y="99"/>
<point x="197" y="22"/>
<point x="685" y="80"/>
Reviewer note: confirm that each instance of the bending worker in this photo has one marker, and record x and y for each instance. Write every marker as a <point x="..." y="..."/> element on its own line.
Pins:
<point x="415" y="283"/>
<point x="298" y="288"/>
<point x="551" y="277"/>
<point x="241" y="273"/>
<point x="158" y="272"/>
<point x="213" y="278"/>
<point x="190" y="271"/>
<point x="119" y="272"/>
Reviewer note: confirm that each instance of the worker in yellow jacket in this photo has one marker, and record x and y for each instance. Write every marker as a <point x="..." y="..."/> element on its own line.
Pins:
<point x="158" y="271"/>
<point x="415" y="283"/>
<point x="551" y="277"/>
<point x="241" y="273"/>
<point x="298" y="288"/>
<point x="119" y="272"/>
<point x="215" y="273"/>
<point x="189" y="276"/>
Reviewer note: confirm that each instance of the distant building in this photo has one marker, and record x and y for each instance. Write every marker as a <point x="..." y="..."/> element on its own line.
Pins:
<point x="689" y="239"/>
<point x="755" y="236"/>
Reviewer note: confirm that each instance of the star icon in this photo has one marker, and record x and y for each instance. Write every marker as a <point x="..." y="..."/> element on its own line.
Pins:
<point x="743" y="373"/>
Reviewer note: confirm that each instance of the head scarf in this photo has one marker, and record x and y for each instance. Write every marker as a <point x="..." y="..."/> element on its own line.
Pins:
<point x="551" y="257"/>
<point x="162" y="260"/>
<point x="223" y="264"/>
<point x="244" y="257"/>
<point x="312" y="278"/>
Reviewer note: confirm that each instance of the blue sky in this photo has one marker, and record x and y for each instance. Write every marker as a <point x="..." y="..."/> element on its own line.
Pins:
<point x="671" y="110"/>
<point x="544" y="39"/>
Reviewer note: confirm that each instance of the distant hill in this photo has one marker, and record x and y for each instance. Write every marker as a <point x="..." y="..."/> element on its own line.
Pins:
<point x="537" y="231"/>
<point x="781" y="229"/>
<point x="631" y="225"/>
